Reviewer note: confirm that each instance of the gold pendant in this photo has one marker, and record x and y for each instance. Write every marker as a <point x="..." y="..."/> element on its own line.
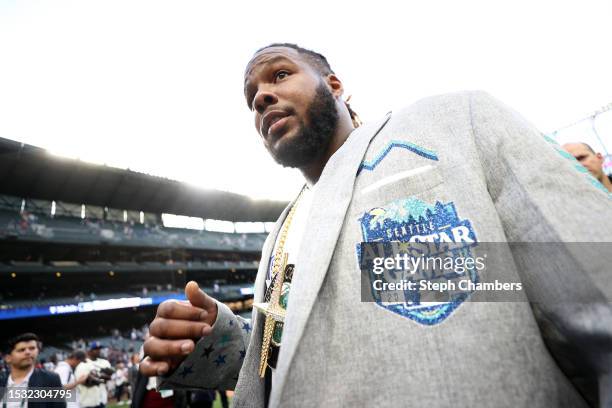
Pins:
<point x="274" y="313"/>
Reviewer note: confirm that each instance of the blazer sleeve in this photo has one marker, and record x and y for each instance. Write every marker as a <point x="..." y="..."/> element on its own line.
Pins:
<point x="216" y="360"/>
<point x="558" y="221"/>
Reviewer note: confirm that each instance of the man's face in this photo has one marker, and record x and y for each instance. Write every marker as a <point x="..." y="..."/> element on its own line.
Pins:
<point x="295" y="112"/>
<point x="24" y="355"/>
<point x="592" y="161"/>
<point x="94" y="354"/>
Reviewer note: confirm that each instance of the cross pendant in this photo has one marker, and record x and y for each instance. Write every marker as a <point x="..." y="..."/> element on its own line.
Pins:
<point x="274" y="313"/>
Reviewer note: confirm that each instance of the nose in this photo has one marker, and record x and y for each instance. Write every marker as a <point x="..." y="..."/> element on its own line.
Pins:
<point x="263" y="99"/>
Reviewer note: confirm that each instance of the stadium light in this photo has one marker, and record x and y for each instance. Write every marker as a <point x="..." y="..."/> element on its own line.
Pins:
<point x="248" y="227"/>
<point x="182" y="221"/>
<point x="58" y="274"/>
<point x="219" y="226"/>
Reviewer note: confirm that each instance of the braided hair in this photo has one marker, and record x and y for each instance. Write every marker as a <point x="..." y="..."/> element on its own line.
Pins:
<point x="320" y="63"/>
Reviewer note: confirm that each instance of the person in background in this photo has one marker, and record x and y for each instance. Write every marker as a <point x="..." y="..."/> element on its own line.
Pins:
<point x="50" y="365"/>
<point x="133" y="373"/>
<point x="591" y="160"/>
<point x="121" y="381"/>
<point x="93" y="394"/>
<point x="21" y="355"/>
<point x="65" y="370"/>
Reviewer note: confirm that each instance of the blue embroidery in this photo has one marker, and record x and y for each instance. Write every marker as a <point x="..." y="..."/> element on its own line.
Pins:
<point x="412" y="220"/>
<point x="550" y="140"/>
<point x="220" y="360"/>
<point x="421" y="151"/>
<point x="186" y="371"/>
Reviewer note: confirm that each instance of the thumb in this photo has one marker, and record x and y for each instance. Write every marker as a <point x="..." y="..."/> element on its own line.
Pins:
<point x="197" y="297"/>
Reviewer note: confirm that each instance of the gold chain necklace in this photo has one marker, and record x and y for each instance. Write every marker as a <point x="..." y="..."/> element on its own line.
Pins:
<point x="273" y="311"/>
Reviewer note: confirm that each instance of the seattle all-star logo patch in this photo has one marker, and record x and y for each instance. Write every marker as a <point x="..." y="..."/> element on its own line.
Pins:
<point x="412" y="220"/>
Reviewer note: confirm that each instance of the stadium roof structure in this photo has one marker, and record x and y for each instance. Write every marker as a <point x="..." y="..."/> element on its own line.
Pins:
<point x="32" y="172"/>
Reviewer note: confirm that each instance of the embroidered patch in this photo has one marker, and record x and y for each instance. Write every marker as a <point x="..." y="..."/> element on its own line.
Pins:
<point x="421" y="151"/>
<point x="412" y="220"/>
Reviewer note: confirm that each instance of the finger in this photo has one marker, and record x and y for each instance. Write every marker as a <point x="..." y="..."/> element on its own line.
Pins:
<point x="151" y="368"/>
<point x="172" y="309"/>
<point x="178" y="329"/>
<point x="198" y="298"/>
<point x="161" y="349"/>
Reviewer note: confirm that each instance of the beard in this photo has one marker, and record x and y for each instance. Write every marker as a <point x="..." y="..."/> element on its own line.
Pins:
<point x="312" y="141"/>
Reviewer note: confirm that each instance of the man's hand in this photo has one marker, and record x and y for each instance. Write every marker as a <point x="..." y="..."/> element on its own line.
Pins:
<point x="174" y="329"/>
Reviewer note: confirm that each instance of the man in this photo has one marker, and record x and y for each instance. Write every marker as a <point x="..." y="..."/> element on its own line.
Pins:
<point x="93" y="393"/>
<point x="22" y="353"/>
<point x="65" y="370"/>
<point x="591" y="160"/>
<point x="460" y="166"/>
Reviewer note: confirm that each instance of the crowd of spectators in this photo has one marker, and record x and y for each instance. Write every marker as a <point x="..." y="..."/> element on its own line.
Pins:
<point x="104" y="373"/>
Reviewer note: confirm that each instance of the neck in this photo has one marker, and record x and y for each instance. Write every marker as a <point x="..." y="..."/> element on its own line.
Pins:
<point x="312" y="172"/>
<point x="19" y="374"/>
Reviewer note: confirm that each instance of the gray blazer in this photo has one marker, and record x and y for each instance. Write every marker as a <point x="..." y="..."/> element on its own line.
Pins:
<point x="462" y="160"/>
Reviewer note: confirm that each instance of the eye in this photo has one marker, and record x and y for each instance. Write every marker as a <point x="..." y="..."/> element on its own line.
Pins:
<point x="280" y="75"/>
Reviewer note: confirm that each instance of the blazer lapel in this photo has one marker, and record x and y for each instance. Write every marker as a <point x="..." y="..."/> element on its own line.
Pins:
<point x="35" y="379"/>
<point x="266" y="253"/>
<point x="332" y="196"/>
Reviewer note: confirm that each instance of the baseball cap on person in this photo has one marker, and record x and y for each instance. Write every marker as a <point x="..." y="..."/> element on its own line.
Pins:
<point x="94" y="345"/>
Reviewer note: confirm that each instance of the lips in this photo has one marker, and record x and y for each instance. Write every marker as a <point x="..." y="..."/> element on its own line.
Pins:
<point x="270" y="119"/>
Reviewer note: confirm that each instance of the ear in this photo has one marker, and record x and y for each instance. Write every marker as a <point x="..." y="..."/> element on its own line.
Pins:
<point x="335" y="85"/>
<point x="599" y="156"/>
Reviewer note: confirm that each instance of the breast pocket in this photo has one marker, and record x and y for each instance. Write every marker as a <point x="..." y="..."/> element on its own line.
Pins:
<point x="401" y="185"/>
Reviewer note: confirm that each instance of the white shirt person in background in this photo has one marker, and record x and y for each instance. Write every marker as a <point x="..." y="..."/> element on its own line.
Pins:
<point x="93" y="393"/>
<point x="65" y="370"/>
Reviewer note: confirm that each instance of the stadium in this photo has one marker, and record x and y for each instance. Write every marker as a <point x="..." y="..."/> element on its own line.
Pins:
<point x="86" y="255"/>
<point x="191" y="194"/>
